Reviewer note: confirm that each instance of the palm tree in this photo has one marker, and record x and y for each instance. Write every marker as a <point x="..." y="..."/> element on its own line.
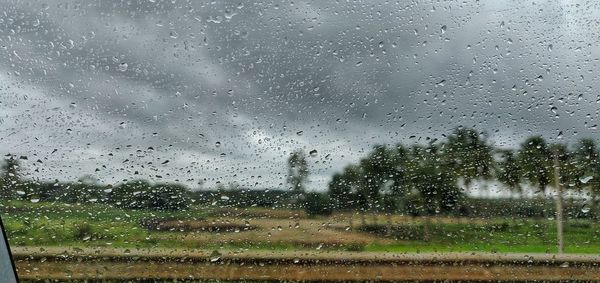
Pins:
<point x="565" y="172"/>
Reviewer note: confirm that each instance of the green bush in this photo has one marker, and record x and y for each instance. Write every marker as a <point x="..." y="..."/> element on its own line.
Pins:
<point x="82" y="231"/>
<point x="317" y="204"/>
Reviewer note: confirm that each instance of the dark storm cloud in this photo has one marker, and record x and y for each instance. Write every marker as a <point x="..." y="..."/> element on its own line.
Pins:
<point x="225" y="90"/>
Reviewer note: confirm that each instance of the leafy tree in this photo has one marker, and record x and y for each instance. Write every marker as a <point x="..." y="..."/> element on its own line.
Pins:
<point x="10" y="177"/>
<point x="378" y="169"/>
<point x="569" y="174"/>
<point x="534" y="157"/>
<point x="433" y="182"/>
<point x="317" y="204"/>
<point x="587" y="160"/>
<point x="339" y="192"/>
<point x="468" y="155"/>
<point x="509" y="172"/>
<point x="297" y="171"/>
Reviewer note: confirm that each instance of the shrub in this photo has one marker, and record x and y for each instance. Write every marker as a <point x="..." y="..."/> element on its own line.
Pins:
<point x="82" y="230"/>
<point x="317" y="204"/>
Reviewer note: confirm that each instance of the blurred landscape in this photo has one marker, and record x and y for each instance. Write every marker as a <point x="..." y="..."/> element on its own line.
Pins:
<point x="397" y="199"/>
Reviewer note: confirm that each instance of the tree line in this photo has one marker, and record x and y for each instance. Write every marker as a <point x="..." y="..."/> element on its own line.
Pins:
<point x="418" y="179"/>
<point x="135" y="194"/>
<point x="432" y="178"/>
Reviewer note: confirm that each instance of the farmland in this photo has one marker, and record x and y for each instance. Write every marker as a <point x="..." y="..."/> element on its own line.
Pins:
<point x="55" y="224"/>
<point x="53" y="238"/>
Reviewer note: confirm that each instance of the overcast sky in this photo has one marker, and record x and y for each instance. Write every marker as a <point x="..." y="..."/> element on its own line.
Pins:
<point x="225" y="90"/>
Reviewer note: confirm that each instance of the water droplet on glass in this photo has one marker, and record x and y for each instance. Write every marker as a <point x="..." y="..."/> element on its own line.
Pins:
<point x="443" y="29"/>
<point x="584" y="180"/>
<point x="123" y="67"/>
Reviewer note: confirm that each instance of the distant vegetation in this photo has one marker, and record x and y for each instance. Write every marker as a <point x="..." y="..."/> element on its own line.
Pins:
<point x="420" y="179"/>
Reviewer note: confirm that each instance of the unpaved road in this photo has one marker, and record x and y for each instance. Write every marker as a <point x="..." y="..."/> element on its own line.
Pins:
<point x="112" y="263"/>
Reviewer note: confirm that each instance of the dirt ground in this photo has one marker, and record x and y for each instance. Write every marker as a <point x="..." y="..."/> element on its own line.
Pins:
<point x="110" y="263"/>
<point x="287" y="227"/>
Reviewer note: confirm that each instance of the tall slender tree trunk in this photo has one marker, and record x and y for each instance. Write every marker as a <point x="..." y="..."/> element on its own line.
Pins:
<point x="559" y="206"/>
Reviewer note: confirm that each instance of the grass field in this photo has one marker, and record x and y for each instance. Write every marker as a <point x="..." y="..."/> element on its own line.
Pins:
<point x="99" y="225"/>
<point x="79" y="242"/>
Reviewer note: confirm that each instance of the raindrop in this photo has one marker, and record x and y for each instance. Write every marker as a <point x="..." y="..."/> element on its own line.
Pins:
<point x="584" y="180"/>
<point x="443" y="29"/>
<point x="123" y="67"/>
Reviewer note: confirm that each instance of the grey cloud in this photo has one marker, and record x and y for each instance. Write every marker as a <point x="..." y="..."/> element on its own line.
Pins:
<point x="347" y="75"/>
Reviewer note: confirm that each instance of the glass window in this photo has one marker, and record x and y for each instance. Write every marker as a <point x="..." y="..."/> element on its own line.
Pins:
<point x="300" y="140"/>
